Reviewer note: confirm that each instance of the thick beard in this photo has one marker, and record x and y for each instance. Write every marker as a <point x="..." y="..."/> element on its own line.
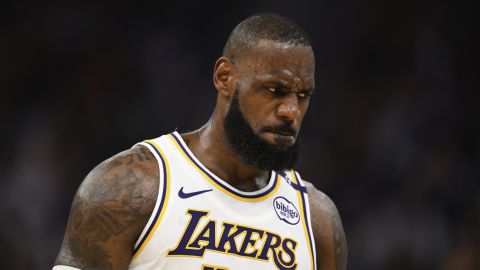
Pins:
<point x="251" y="148"/>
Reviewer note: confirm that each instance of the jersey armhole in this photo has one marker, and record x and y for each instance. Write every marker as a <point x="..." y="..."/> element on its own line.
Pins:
<point x="307" y="214"/>
<point x="160" y="204"/>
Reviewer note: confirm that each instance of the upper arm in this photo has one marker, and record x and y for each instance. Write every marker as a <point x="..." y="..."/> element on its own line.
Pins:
<point x="330" y="240"/>
<point x="110" y="210"/>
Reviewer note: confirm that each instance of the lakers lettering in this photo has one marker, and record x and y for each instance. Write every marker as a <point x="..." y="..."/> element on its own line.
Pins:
<point x="201" y="235"/>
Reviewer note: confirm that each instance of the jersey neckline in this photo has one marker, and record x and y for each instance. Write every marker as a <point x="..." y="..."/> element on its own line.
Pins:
<point x="222" y="185"/>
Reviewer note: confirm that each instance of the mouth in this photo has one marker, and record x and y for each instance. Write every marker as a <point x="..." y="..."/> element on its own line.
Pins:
<point x="282" y="133"/>
<point x="280" y="137"/>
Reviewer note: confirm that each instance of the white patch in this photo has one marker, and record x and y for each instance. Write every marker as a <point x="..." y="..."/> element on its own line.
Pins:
<point x="286" y="210"/>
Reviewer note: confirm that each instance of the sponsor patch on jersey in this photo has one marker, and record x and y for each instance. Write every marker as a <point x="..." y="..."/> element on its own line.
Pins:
<point x="286" y="210"/>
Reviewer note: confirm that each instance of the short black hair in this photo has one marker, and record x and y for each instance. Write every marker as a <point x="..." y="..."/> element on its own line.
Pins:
<point x="268" y="26"/>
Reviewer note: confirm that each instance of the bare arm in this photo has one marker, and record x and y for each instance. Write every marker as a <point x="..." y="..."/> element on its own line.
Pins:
<point x="110" y="210"/>
<point x="330" y="240"/>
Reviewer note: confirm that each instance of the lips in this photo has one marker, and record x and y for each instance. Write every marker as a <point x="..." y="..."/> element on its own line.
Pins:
<point x="282" y="133"/>
<point x="286" y="131"/>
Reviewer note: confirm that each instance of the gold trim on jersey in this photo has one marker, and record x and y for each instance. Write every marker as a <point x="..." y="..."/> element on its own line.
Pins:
<point x="165" y="203"/>
<point x="219" y="187"/>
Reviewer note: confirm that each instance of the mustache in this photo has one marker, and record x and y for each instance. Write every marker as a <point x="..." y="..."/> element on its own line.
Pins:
<point x="285" y="129"/>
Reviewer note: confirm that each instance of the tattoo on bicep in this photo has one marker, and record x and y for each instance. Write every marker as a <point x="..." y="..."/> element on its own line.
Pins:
<point x="115" y="204"/>
<point x="86" y="233"/>
<point x="89" y="252"/>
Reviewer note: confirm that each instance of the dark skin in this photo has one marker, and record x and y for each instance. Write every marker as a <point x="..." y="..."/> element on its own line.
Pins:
<point x="114" y="202"/>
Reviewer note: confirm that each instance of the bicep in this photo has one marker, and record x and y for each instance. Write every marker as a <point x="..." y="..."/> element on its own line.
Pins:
<point x="108" y="213"/>
<point x="329" y="235"/>
<point x="94" y="238"/>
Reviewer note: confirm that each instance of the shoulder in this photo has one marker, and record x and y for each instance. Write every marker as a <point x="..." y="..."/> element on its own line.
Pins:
<point x="320" y="203"/>
<point x="329" y="235"/>
<point x="128" y="180"/>
<point x="110" y="210"/>
<point x="125" y="184"/>
<point x="134" y="172"/>
<point x="324" y="212"/>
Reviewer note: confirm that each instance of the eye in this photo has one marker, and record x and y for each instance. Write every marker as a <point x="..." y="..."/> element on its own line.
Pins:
<point x="277" y="91"/>
<point x="304" y="94"/>
<point x="272" y="89"/>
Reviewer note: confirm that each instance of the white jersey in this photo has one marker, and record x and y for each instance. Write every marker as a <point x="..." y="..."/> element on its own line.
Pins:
<point x="201" y="222"/>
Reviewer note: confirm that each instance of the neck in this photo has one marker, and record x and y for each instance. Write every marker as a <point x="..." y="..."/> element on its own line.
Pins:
<point x="210" y="145"/>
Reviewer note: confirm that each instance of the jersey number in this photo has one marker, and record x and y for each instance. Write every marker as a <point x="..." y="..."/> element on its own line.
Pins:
<point x="213" y="267"/>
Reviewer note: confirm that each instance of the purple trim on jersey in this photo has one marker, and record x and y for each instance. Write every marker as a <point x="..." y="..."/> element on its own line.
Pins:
<point x="306" y="220"/>
<point x="292" y="183"/>
<point x="160" y="208"/>
<point x="221" y="184"/>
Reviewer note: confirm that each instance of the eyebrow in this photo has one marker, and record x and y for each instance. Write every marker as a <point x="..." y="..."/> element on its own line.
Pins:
<point x="284" y="83"/>
<point x="280" y="82"/>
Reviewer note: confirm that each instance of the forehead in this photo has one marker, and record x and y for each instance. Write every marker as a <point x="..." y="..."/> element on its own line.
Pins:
<point x="269" y="58"/>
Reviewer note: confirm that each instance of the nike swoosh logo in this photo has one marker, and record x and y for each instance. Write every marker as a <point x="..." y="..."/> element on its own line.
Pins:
<point x="187" y="195"/>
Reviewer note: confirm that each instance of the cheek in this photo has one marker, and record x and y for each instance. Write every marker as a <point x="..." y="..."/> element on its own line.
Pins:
<point x="255" y="112"/>
<point x="251" y="114"/>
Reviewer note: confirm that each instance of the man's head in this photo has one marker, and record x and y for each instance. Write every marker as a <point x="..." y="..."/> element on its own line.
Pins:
<point x="265" y="79"/>
<point x="263" y="27"/>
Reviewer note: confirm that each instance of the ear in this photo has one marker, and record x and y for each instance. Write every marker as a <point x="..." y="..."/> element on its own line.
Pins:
<point x="223" y="76"/>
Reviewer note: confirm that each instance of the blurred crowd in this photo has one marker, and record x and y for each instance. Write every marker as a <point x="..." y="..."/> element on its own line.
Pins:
<point x="392" y="134"/>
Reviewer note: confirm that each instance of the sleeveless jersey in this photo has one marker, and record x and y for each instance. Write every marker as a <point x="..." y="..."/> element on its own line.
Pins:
<point x="201" y="222"/>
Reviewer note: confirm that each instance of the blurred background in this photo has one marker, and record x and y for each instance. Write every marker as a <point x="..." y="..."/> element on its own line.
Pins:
<point x="392" y="134"/>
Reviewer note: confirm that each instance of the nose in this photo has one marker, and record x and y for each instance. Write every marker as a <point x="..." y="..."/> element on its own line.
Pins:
<point x="288" y="108"/>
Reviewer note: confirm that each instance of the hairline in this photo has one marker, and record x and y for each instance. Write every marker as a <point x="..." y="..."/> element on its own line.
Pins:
<point x="262" y="43"/>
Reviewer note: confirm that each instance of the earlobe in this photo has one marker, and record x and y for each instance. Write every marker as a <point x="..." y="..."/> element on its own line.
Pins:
<point x="222" y="76"/>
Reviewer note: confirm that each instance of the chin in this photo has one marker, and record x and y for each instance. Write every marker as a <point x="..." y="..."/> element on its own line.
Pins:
<point x="283" y="145"/>
<point x="282" y="141"/>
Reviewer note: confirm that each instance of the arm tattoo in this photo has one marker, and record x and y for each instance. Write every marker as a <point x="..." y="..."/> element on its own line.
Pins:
<point x="113" y="199"/>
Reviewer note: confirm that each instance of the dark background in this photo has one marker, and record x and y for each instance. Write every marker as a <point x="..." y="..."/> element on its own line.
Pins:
<point x="392" y="134"/>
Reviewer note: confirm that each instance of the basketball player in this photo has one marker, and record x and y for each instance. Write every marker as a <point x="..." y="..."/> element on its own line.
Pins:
<point x="224" y="196"/>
